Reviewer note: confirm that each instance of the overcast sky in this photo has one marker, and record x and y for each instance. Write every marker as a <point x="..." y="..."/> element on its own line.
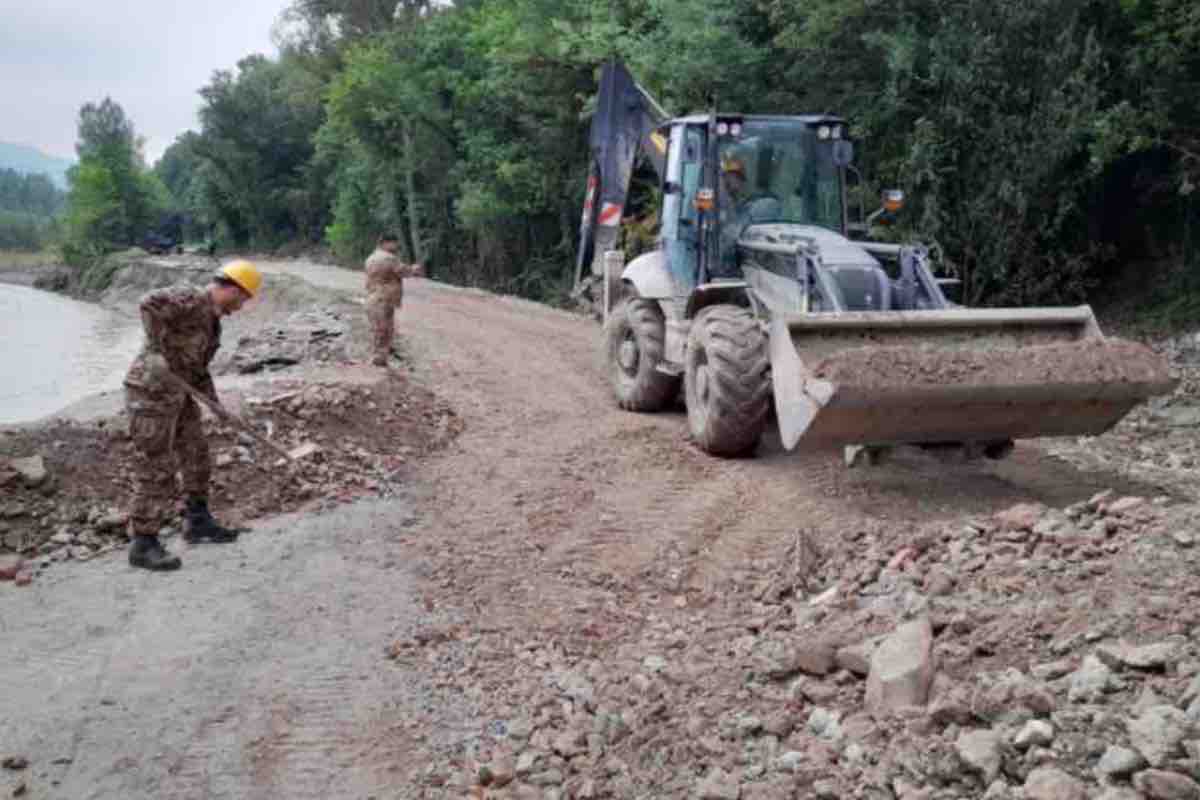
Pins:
<point x="151" y="56"/>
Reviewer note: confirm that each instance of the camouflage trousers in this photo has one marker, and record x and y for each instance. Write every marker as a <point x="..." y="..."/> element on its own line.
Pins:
<point x="167" y="436"/>
<point x="381" y="315"/>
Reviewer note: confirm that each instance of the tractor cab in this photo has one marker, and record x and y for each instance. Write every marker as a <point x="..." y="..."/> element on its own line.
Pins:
<point x="740" y="191"/>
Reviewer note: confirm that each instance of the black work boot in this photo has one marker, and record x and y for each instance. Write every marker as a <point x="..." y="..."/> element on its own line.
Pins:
<point x="147" y="552"/>
<point x="199" y="525"/>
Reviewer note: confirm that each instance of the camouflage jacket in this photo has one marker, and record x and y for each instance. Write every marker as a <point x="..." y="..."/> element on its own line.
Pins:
<point x="182" y="324"/>
<point x="385" y="276"/>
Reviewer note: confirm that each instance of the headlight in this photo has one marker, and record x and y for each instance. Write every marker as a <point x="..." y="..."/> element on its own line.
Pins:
<point x="837" y="131"/>
<point x="823" y="132"/>
<point x="735" y="129"/>
<point x="722" y="128"/>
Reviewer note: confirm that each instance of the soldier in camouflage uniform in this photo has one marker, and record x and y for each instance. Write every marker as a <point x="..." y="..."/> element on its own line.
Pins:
<point x="385" y="291"/>
<point x="183" y="331"/>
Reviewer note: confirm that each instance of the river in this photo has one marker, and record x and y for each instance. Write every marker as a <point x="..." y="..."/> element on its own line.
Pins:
<point x="55" y="351"/>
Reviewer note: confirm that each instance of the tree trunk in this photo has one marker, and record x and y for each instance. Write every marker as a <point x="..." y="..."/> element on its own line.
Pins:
<point x="410" y="187"/>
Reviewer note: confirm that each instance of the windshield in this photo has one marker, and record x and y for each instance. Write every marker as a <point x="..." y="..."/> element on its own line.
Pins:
<point x="786" y="175"/>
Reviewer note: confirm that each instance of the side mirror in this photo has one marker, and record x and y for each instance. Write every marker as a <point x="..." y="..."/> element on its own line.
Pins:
<point x="843" y="153"/>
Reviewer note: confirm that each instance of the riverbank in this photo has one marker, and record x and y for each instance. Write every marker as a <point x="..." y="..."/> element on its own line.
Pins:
<point x="23" y="269"/>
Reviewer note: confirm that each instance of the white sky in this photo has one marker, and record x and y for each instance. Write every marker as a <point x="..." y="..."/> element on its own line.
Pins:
<point x="151" y="56"/>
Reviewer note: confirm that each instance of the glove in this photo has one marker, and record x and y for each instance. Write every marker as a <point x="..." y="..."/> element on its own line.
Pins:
<point x="156" y="365"/>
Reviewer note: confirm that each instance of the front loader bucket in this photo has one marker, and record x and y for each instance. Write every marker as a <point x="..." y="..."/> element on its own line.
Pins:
<point x="954" y="376"/>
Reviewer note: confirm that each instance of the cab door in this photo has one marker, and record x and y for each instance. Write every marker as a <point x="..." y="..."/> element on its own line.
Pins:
<point x="680" y="230"/>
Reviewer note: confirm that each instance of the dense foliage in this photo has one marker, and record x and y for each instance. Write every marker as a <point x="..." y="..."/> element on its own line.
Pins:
<point x="28" y="205"/>
<point x="1041" y="143"/>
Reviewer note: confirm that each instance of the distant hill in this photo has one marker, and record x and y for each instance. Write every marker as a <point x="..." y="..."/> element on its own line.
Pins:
<point x="30" y="159"/>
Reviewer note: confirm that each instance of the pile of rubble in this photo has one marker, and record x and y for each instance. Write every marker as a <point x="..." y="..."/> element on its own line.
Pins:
<point x="1039" y="653"/>
<point x="314" y="335"/>
<point x="349" y="442"/>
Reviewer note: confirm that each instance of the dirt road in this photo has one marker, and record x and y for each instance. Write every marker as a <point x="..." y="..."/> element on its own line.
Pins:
<point x="554" y="520"/>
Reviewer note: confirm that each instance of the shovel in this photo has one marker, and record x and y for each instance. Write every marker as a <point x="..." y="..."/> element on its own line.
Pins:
<point x="232" y="419"/>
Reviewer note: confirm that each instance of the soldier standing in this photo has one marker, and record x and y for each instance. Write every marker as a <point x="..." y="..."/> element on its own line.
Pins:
<point x="385" y="291"/>
<point x="183" y="331"/>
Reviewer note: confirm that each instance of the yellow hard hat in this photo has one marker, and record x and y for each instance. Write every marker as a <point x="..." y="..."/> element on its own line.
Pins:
<point x="244" y="274"/>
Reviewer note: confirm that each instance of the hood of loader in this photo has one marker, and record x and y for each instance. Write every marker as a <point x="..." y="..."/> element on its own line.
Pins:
<point x="836" y="250"/>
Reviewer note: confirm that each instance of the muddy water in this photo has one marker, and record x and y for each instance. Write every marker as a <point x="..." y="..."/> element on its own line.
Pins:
<point x="55" y="351"/>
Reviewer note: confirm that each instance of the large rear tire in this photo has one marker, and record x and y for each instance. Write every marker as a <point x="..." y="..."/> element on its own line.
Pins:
<point x="727" y="381"/>
<point x="635" y="338"/>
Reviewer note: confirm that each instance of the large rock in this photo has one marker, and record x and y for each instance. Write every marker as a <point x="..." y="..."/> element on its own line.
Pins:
<point x="785" y="659"/>
<point x="1157" y="733"/>
<point x="1148" y="656"/>
<point x="1119" y="762"/>
<point x="1035" y="733"/>
<point x="1091" y="681"/>
<point x="1158" y="784"/>
<point x="980" y="751"/>
<point x="902" y="668"/>
<point x="1047" y="783"/>
<point x="32" y="470"/>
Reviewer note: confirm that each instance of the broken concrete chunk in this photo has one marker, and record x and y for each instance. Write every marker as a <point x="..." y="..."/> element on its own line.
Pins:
<point x="980" y="751"/>
<point x="1036" y="733"/>
<point x="1091" y="681"/>
<point x="32" y="470"/>
<point x="1119" y="762"/>
<point x="1048" y="783"/>
<point x="902" y="668"/>
<point x="1158" y="784"/>
<point x="1157" y="733"/>
<point x="1148" y="656"/>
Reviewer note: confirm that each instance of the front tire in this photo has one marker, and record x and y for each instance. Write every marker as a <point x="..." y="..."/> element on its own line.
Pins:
<point x="635" y="338"/>
<point x="727" y="381"/>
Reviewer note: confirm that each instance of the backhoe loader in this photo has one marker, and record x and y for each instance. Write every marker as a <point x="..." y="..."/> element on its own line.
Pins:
<point x="763" y="295"/>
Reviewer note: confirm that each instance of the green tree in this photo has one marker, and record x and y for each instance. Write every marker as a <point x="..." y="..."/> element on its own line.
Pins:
<point x="113" y="199"/>
<point x="256" y="147"/>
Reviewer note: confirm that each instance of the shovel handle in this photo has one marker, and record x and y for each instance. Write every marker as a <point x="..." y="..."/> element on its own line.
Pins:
<point x="221" y="412"/>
